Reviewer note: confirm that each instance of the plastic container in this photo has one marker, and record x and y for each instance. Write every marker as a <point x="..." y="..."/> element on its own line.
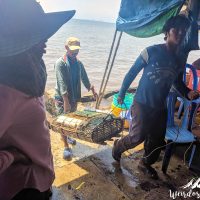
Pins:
<point x="122" y="109"/>
<point x="128" y="100"/>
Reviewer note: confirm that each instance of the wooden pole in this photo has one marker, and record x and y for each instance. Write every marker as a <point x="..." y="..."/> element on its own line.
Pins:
<point x="108" y="76"/>
<point x="106" y="69"/>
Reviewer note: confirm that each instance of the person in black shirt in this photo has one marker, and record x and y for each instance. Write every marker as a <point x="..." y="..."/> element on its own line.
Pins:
<point x="163" y="66"/>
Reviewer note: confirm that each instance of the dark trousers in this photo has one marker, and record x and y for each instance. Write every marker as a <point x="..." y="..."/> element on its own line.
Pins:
<point x="32" y="194"/>
<point x="149" y="126"/>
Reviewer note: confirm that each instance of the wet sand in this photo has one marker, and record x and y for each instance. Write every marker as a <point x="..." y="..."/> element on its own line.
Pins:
<point x="94" y="175"/>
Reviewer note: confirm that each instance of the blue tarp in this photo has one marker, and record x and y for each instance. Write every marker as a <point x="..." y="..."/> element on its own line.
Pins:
<point x="136" y="16"/>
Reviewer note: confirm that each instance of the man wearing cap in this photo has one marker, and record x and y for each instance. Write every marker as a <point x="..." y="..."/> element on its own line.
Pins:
<point x="69" y="74"/>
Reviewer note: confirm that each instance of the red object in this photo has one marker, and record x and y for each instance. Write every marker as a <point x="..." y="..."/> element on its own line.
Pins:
<point x="190" y="85"/>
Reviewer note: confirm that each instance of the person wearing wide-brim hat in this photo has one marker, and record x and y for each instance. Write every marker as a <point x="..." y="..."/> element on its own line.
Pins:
<point x="26" y="164"/>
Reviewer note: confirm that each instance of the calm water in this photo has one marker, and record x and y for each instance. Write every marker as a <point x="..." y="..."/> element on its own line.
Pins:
<point x="96" y="39"/>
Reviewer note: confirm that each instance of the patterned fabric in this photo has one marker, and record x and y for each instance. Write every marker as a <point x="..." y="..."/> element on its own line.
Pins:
<point x="160" y="72"/>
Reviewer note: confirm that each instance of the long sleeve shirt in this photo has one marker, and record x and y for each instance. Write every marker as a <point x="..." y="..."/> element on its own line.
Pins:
<point x="68" y="78"/>
<point x="6" y="159"/>
<point x="160" y="71"/>
<point x="23" y="126"/>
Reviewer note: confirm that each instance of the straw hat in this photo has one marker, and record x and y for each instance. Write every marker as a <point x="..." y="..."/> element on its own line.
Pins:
<point x="24" y="24"/>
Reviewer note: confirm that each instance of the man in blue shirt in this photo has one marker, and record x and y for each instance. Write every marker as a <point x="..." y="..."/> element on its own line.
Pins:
<point x="163" y="67"/>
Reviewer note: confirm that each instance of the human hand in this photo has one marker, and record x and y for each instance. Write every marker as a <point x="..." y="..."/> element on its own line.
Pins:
<point x="120" y="100"/>
<point x="19" y="157"/>
<point x="193" y="94"/>
<point x="94" y="92"/>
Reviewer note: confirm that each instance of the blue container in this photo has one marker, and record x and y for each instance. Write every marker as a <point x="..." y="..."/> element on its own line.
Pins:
<point x="128" y="100"/>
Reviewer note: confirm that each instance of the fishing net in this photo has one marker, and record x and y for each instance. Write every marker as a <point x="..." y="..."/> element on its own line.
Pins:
<point x="88" y="125"/>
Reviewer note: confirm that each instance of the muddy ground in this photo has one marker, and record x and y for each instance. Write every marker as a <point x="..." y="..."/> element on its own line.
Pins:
<point x="92" y="174"/>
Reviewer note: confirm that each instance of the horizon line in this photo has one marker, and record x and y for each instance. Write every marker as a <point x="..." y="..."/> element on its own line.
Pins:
<point x="94" y="20"/>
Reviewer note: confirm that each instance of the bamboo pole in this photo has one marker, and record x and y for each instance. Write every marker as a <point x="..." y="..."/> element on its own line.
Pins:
<point x="108" y="76"/>
<point x="107" y="65"/>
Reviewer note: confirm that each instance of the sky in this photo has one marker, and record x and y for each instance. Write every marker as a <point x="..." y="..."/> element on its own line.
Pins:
<point x="100" y="10"/>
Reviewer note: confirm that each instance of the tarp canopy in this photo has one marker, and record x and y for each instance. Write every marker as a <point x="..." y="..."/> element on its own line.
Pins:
<point x="145" y="18"/>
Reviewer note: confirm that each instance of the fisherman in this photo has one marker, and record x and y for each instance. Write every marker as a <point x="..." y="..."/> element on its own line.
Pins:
<point x="26" y="162"/>
<point x="70" y="72"/>
<point x="163" y="67"/>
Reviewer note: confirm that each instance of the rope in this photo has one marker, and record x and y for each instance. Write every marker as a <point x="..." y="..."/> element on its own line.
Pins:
<point x="108" y="76"/>
<point x="184" y="161"/>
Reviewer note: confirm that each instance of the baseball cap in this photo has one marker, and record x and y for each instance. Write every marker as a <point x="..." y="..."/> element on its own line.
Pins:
<point x="73" y="43"/>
